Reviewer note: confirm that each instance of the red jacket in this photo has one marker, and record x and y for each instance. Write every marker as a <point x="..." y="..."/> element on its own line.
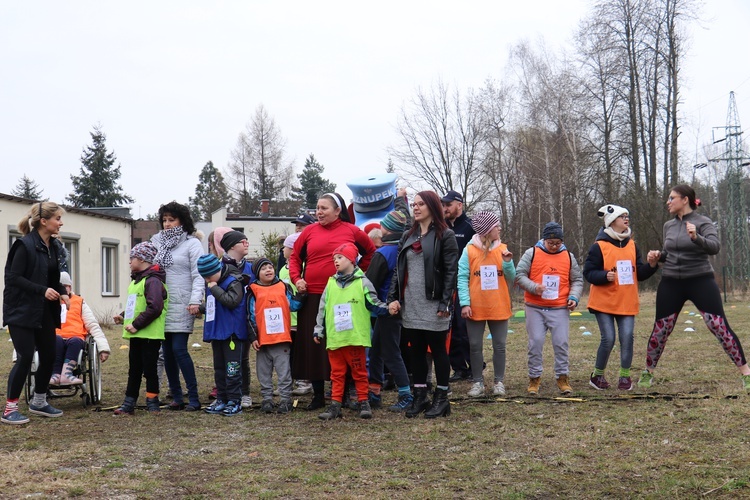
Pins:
<point x="314" y="248"/>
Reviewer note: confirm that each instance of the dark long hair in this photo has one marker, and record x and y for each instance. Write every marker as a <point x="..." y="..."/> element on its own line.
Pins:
<point x="180" y="211"/>
<point x="686" y="191"/>
<point x="338" y="201"/>
<point x="433" y="204"/>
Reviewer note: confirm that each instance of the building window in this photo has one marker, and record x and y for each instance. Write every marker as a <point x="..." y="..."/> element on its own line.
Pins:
<point x="72" y="248"/>
<point x="109" y="268"/>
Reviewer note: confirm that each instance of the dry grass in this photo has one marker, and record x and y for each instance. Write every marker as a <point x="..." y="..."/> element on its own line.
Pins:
<point x="687" y="438"/>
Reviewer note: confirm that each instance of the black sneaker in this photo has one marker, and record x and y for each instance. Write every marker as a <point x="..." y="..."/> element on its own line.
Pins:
<point x="376" y="402"/>
<point x="266" y="406"/>
<point x="333" y="411"/>
<point x="285" y="407"/>
<point x="402" y="404"/>
<point x="364" y="409"/>
<point x="459" y="375"/>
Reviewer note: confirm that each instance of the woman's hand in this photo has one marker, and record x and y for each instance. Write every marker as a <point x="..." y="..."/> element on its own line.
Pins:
<point x="301" y="286"/>
<point x="394" y="307"/>
<point x="194" y="309"/>
<point x="51" y="294"/>
<point x="653" y="257"/>
<point x="103" y="356"/>
<point x="691" y="230"/>
<point x="466" y="312"/>
<point x="444" y="314"/>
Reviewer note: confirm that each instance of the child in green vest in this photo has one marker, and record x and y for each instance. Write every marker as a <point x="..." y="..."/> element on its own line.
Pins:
<point x="143" y="321"/>
<point x="344" y="320"/>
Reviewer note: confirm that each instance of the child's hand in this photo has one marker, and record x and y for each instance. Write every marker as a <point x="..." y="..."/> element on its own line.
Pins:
<point x="194" y="309"/>
<point x="466" y="312"/>
<point x="316" y="339"/>
<point x="394" y="307"/>
<point x="539" y="289"/>
<point x="507" y="256"/>
<point x="117" y="319"/>
<point x="103" y="356"/>
<point x="130" y="328"/>
<point x="256" y="345"/>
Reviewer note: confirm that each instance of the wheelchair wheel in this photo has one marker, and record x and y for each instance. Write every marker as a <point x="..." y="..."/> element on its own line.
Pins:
<point x="94" y="372"/>
<point x="31" y="379"/>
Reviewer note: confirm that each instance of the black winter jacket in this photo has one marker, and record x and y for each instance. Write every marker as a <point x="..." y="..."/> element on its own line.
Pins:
<point x="31" y="268"/>
<point x="440" y="266"/>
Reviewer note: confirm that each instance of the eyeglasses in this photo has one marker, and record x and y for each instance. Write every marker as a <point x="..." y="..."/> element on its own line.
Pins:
<point x="672" y="198"/>
<point x="417" y="204"/>
<point x="553" y="243"/>
<point x="624" y="217"/>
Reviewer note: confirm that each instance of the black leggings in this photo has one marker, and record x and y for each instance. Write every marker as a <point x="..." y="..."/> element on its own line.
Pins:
<point x="25" y="342"/>
<point x="420" y="341"/>
<point x="704" y="293"/>
<point x="143" y="355"/>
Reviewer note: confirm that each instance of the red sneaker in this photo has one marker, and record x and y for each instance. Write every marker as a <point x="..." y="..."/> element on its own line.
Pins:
<point x="598" y="382"/>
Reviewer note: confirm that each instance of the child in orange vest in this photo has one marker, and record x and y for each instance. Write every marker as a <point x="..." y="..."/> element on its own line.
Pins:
<point x="552" y="283"/>
<point x="485" y="274"/>
<point x="614" y="268"/>
<point x="269" y="305"/>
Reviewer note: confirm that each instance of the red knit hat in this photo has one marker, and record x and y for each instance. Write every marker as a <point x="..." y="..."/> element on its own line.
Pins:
<point x="347" y="250"/>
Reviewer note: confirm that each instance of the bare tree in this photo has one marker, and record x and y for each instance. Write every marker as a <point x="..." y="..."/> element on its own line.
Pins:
<point x="442" y="142"/>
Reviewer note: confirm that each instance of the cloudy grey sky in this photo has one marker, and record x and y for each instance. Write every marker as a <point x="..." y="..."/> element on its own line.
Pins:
<point x="173" y="83"/>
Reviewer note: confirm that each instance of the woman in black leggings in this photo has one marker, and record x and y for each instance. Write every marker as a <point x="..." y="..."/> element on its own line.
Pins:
<point x="689" y="238"/>
<point x="31" y="307"/>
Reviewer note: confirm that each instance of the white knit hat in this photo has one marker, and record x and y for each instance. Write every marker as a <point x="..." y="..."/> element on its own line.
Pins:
<point x="610" y="212"/>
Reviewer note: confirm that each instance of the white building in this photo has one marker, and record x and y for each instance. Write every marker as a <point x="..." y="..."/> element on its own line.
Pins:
<point x="98" y="245"/>
<point x="256" y="228"/>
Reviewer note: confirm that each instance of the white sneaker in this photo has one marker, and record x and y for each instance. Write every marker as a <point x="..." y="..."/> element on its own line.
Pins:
<point x="247" y="401"/>
<point x="499" y="389"/>
<point x="477" y="390"/>
<point x="303" y="387"/>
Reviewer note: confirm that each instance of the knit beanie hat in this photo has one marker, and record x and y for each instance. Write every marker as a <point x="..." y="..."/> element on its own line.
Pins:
<point x="483" y="222"/>
<point x="145" y="251"/>
<point x="552" y="230"/>
<point x="231" y="239"/>
<point x="260" y="262"/>
<point x="291" y="239"/>
<point x="610" y="212"/>
<point x="65" y="279"/>
<point x="219" y="233"/>
<point x="349" y="251"/>
<point x="208" y="265"/>
<point x="394" y="221"/>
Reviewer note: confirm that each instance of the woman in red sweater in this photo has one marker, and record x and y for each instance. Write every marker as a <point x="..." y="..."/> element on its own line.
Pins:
<point x="310" y="266"/>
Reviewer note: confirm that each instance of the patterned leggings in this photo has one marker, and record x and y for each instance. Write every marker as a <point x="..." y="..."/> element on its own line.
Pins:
<point x="704" y="293"/>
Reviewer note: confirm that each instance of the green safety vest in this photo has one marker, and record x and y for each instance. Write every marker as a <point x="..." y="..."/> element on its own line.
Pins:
<point x="345" y="308"/>
<point x="137" y="302"/>
<point x="284" y="276"/>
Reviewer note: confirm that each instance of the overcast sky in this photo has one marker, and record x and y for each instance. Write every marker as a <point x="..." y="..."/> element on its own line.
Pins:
<point x="173" y="83"/>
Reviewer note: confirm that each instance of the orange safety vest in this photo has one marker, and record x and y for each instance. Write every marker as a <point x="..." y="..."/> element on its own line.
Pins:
<point x="557" y="267"/>
<point x="614" y="298"/>
<point x="73" y="326"/>
<point x="488" y="304"/>
<point x="267" y="298"/>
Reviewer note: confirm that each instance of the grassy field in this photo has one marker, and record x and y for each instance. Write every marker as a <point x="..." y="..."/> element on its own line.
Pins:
<point x="685" y="437"/>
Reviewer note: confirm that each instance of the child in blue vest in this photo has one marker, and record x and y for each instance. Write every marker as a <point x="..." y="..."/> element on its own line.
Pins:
<point x="224" y="326"/>
<point x="344" y="321"/>
<point x="144" y="320"/>
<point x="236" y="246"/>
<point x="270" y="303"/>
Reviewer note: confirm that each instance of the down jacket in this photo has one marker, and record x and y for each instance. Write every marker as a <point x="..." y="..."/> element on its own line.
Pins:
<point x="184" y="284"/>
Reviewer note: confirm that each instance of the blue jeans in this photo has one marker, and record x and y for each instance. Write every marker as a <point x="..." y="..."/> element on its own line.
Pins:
<point x="177" y="359"/>
<point x="625" y="325"/>
<point x="386" y="347"/>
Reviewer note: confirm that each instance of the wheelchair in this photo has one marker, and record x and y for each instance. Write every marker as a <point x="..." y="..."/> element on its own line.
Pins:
<point x="88" y="370"/>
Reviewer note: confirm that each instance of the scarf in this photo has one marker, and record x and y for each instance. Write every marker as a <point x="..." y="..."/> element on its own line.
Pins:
<point x="168" y="239"/>
<point x="618" y="236"/>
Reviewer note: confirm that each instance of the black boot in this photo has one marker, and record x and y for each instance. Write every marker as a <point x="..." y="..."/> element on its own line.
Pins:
<point x="153" y="405"/>
<point x="441" y="407"/>
<point x="318" y="401"/>
<point x="419" y="404"/>
<point x="127" y="407"/>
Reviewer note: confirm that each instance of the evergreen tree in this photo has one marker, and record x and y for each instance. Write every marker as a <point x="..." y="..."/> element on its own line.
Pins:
<point x="27" y="188"/>
<point x="210" y="194"/>
<point x="312" y="183"/>
<point x="97" y="185"/>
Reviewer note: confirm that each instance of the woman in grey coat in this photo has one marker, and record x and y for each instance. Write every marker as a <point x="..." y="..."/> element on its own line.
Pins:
<point x="178" y="255"/>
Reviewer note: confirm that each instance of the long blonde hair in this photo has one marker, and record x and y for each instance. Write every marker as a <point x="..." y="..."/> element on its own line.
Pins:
<point x="38" y="211"/>
<point x="487" y="244"/>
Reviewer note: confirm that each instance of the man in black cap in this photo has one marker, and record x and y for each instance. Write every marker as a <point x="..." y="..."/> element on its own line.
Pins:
<point x="300" y="223"/>
<point x="453" y="208"/>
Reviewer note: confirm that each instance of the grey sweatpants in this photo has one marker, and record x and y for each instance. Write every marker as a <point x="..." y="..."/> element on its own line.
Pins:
<point x="270" y="357"/>
<point x="499" y="331"/>
<point x="538" y="321"/>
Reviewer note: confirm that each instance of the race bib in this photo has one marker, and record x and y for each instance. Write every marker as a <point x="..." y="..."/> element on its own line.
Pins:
<point x="130" y="306"/>
<point x="210" y="308"/>
<point x="63" y="313"/>
<point x="489" y="277"/>
<point x="552" y="287"/>
<point x="274" y="320"/>
<point x="625" y="272"/>
<point x="342" y="314"/>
